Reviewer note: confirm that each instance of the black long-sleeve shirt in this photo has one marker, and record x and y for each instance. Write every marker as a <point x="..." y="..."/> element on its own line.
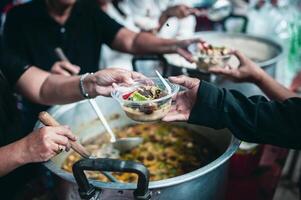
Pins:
<point x="253" y="119"/>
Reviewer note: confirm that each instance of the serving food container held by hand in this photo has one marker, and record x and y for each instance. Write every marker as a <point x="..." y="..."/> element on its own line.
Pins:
<point x="206" y="183"/>
<point x="138" y="106"/>
<point x="207" y="56"/>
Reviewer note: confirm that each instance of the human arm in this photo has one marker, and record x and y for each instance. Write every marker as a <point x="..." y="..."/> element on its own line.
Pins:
<point x="296" y="83"/>
<point x="248" y="71"/>
<point x="253" y="119"/>
<point x="39" y="146"/>
<point x="42" y="87"/>
<point x="122" y="39"/>
<point x="146" y="43"/>
<point x="179" y="11"/>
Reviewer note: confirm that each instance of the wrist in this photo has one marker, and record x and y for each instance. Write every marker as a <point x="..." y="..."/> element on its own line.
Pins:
<point x="166" y="14"/>
<point x="88" y="85"/>
<point x="259" y="76"/>
<point x="22" y="152"/>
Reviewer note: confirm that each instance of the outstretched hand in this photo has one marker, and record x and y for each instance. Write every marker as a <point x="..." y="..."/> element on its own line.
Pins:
<point x="179" y="11"/>
<point x="101" y="82"/>
<point x="247" y="71"/>
<point x="182" y="46"/>
<point x="184" y="100"/>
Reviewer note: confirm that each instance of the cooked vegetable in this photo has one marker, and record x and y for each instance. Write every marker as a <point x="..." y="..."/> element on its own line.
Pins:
<point x="144" y="93"/>
<point x="208" y="56"/>
<point x="136" y="96"/>
<point x="167" y="151"/>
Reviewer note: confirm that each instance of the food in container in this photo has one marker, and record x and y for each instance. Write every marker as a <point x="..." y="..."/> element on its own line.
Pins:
<point x="207" y="55"/>
<point x="167" y="151"/>
<point x="146" y="100"/>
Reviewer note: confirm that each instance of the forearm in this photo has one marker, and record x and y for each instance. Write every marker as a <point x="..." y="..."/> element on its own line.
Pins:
<point x="253" y="119"/>
<point x="142" y="43"/>
<point x="58" y="90"/>
<point x="12" y="156"/>
<point x="44" y="88"/>
<point x="148" y="43"/>
<point x="273" y="89"/>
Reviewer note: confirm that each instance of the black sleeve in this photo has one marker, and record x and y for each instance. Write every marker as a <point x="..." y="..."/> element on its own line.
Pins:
<point x="253" y="119"/>
<point x="106" y="27"/>
<point x="15" y="58"/>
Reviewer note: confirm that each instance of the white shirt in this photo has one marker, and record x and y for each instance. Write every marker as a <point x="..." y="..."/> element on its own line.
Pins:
<point x="147" y="11"/>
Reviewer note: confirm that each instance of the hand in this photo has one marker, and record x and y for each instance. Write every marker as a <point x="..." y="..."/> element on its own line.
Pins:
<point x="181" y="48"/>
<point x="65" y="68"/>
<point x="185" y="100"/>
<point x="101" y="82"/>
<point x="179" y="11"/>
<point x="46" y="142"/>
<point x="247" y="71"/>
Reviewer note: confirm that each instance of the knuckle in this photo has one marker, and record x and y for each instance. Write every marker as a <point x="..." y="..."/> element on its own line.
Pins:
<point x="43" y="130"/>
<point x="65" y="141"/>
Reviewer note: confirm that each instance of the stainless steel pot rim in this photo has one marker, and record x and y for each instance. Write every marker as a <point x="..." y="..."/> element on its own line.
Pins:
<point x="232" y="148"/>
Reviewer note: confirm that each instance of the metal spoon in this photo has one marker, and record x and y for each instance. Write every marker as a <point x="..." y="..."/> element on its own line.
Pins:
<point x="122" y="144"/>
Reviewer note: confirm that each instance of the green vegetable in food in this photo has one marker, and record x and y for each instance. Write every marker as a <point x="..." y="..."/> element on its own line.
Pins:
<point x="139" y="97"/>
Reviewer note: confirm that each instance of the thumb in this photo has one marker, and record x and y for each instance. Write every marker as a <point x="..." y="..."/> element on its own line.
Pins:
<point x="183" y="81"/>
<point x="125" y="78"/>
<point x="241" y="57"/>
<point x="186" y="55"/>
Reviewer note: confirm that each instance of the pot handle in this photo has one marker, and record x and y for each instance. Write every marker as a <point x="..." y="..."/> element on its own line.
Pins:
<point x="87" y="190"/>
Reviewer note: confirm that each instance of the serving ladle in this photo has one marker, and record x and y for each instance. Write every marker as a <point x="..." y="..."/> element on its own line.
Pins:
<point x="121" y="144"/>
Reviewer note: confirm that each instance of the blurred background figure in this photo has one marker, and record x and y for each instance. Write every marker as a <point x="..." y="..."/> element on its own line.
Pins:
<point x="164" y="18"/>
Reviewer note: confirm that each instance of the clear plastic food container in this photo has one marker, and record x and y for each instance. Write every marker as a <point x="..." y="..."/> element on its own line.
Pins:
<point x="144" y="110"/>
<point x="212" y="58"/>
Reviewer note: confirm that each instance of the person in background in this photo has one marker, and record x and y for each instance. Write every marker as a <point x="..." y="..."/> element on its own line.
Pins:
<point x="254" y="119"/>
<point x="166" y="19"/>
<point x="18" y="149"/>
<point x="34" y="30"/>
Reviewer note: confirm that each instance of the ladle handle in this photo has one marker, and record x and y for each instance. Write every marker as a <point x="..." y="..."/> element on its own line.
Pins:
<point x="102" y="119"/>
<point x="48" y="120"/>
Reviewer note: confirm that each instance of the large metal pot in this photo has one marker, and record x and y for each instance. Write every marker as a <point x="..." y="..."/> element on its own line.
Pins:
<point x="206" y="183"/>
<point x="266" y="52"/>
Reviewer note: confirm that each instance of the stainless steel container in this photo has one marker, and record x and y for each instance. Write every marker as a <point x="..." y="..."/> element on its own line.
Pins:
<point x="264" y="51"/>
<point x="206" y="183"/>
